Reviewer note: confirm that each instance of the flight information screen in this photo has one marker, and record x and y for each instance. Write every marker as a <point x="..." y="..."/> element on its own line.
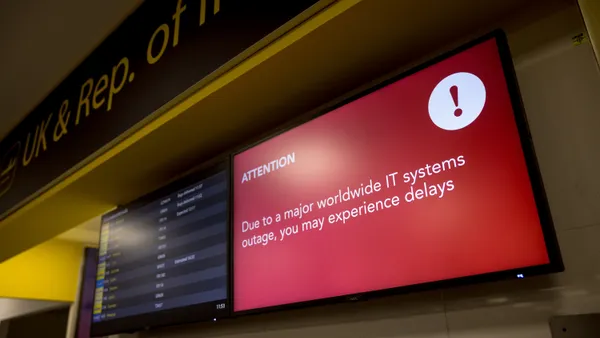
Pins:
<point x="166" y="252"/>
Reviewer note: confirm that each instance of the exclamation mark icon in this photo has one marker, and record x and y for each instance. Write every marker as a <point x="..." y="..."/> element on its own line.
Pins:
<point x="454" y="92"/>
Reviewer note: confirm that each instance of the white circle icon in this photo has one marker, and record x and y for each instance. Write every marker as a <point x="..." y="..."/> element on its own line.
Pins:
<point x="457" y="101"/>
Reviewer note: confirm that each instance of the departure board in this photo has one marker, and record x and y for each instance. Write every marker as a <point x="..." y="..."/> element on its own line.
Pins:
<point x="164" y="252"/>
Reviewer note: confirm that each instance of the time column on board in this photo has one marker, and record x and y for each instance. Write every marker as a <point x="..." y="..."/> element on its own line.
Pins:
<point x="161" y="247"/>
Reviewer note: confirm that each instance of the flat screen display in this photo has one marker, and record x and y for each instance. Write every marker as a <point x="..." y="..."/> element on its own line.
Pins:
<point x="429" y="177"/>
<point x="164" y="258"/>
<point x="86" y="295"/>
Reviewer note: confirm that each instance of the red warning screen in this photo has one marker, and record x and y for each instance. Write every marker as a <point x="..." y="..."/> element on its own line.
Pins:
<point x="422" y="180"/>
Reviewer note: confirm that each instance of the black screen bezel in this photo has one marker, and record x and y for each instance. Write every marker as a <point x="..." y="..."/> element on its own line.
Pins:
<point x="84" y="267"/>
<point x="187" y="314"/>
<point x="553" y="250"/>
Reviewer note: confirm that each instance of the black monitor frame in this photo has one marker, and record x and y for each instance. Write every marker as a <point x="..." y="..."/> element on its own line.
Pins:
<point x="87" y="252"/>
<point x="555" y="259"/>
<point x="187" y="314"/>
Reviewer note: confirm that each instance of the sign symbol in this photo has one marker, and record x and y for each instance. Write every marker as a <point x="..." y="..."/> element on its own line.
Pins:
<point x="454" y="93"/>
<point x="8" y="167"/>
<point x="450" y="111"/>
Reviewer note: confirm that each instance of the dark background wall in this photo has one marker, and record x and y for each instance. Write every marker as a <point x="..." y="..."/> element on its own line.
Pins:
<point x="48" y="324"/>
